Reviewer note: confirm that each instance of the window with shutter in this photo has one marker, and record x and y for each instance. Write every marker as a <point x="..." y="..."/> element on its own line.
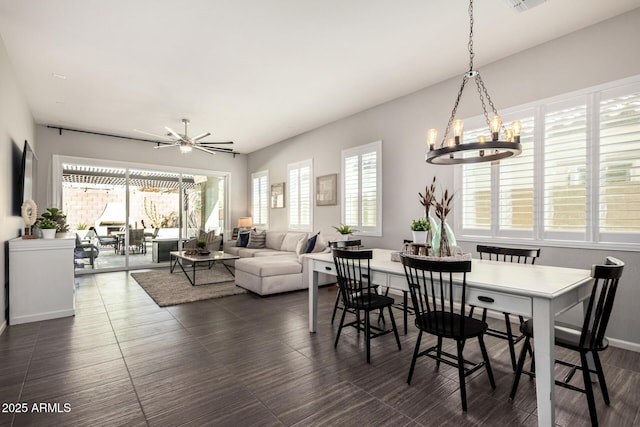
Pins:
<point x="299" y="196"/>
<point x="260" y="198"/>
<point x="362" y="188"/>
<point x="619" y="166"/>
<point x="565" y="170"/>
<point x="577" y="179"/>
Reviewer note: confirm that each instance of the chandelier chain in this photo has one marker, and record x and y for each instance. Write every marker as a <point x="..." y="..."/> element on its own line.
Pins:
<point x="470" y="44"/>
<point x="455" y="109"/>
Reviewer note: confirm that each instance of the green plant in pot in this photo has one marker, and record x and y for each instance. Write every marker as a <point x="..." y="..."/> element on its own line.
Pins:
<point x="419" y="229"/>
<point x="202" y="246"/>
<point x="48" y="227"/>
<point x="59" y="217"/>
<point x="344" y="230"/>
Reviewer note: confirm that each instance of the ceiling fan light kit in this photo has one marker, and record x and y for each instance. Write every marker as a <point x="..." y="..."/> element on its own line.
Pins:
<point x="187" y="143"/>
<point x="455" y="151"/>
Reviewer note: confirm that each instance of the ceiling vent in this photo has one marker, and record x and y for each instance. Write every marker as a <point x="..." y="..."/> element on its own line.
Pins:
<point x="519" y="6"/>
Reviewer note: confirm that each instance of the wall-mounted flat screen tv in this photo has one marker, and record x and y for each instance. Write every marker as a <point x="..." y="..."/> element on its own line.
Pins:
<point x="24" y="176"/>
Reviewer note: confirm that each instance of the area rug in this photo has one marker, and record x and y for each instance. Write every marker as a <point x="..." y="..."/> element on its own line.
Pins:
<point x="173" y="288"/>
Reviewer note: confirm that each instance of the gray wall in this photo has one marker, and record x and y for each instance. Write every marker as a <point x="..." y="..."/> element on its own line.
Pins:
<point x="16" y="125"/>
<point x="117" y="149"/>
<point x="596" y="55"/>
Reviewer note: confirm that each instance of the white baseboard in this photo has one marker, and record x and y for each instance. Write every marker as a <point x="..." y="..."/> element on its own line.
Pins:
<point x="625" y="345"/>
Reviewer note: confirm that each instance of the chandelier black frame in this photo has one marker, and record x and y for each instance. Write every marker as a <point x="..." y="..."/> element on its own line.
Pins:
<point x="481" y="150"/>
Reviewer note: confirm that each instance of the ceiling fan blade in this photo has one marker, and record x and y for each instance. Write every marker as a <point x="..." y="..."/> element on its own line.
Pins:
<point x="215" y="143"/>
<point x="199" y="137"/>
<point x="172" y="132"/>
<point x="205" y="149"/>
<point x="153" y="134"/>
<point x="166" y="146"/>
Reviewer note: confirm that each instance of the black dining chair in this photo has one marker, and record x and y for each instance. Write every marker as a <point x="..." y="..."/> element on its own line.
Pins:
<point x="585" y="340"/>
<point x="359" y="296"/>
<point x="504" y="254"/>
<point x="439" y="304"/>
<point x="342" y="244"/>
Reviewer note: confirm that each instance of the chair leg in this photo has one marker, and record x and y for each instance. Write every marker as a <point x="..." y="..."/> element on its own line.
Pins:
<point x="344" y="312"/>
<point x="512" y="348"/>
<point x="335" y="306"/>
<point x="589" y="389"/>
<point x="461" y="379"/>
<point x="395" y="329"/>
<point x="439" y="352"/>
<point x="518" y="374"/>
<point x="367" y="333"/>
<point x="404" y="309"/>
<point x="487" y="363"/>
<point x="415" y="356"/>
<point x="601" y="381"/>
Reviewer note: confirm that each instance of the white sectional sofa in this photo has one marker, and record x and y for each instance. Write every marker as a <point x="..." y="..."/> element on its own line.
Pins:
<point x="279" y="265"/>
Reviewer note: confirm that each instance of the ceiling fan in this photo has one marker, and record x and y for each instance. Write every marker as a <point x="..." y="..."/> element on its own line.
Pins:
<point x="186" y="142"/>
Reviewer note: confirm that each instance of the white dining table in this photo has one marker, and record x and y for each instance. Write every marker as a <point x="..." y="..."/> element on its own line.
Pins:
<point x="540" y="292"/>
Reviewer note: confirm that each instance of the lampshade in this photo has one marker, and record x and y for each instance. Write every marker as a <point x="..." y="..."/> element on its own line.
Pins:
<point x="245" y="222"/>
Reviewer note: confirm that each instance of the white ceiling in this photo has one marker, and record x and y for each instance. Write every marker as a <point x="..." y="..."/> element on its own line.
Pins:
<point x="256" y="71"/>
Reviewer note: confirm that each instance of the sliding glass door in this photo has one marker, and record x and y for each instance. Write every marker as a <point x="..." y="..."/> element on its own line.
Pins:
<point x="133" y="215"/>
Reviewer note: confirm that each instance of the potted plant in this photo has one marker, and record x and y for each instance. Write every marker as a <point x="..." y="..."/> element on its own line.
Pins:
<point x="419" y="229"/>
<point x="344" y="230"/>
<point x="202" y="247"/>
<point x="48" y="227"/>
<point x="59" y="217"/>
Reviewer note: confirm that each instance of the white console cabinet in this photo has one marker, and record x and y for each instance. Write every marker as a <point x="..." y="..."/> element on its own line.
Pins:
<point x="41" y="279"/>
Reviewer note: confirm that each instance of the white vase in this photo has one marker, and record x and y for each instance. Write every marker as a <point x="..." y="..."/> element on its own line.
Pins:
<point x="419" y="236"/>
<point x="49" y="233"/>
<point x="345" y="237"/>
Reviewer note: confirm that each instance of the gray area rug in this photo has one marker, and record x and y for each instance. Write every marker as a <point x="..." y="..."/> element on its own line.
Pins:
<point x="171" y="289"/>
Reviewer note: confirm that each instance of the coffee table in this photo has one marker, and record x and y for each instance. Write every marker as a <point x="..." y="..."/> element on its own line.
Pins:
<point x="181" y="259"/>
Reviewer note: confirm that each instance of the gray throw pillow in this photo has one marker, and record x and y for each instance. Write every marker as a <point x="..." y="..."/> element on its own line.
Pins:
<point x="257" y="240"/>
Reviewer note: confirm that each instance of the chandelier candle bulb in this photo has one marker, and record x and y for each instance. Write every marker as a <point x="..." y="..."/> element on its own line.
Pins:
<point x="432" y="136"/>
<point x="516" y="125"/>
<point x="508" y="135"/>
<point x="458" y="125"/>
<point x="482" y="139"/>
<point x="495" y="123"/>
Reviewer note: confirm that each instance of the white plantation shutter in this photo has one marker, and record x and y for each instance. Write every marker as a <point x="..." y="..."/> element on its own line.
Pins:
<point x="516" y="178"/>
<point x="619" y="172"/>
<point x="299" y="196"/>
<point x="565" y="170"/>
<point x="369" y="189"/>
<point x="362" y="188"/>
<point x="260" y="198"/>
<point x="351" y="191"/>
<point x="476" y="191"/>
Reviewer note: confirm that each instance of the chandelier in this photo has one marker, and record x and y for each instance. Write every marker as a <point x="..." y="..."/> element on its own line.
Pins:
<point x="454" y="151"/>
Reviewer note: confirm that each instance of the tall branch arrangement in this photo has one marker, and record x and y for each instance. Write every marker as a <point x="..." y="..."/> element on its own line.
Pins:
<point x="428" y="199"/>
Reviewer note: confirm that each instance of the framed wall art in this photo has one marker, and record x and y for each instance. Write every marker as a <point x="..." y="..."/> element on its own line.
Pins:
<point x="277" y="195"/>
<point x="326" y="190"/>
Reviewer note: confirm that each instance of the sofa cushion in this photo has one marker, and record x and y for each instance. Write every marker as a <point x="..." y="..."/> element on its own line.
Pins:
<point x="291" y="240"/>
<point x="271" y="266"/>
<point x="269" y="252"/>
<point x="232" y="249"/>
<point x="274" y="239"/>
<point x="257" y="239"/>
<point x="247" y="252"/>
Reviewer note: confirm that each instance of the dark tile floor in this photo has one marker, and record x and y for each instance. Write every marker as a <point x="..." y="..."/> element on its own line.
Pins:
<point x="246" y="360"/>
